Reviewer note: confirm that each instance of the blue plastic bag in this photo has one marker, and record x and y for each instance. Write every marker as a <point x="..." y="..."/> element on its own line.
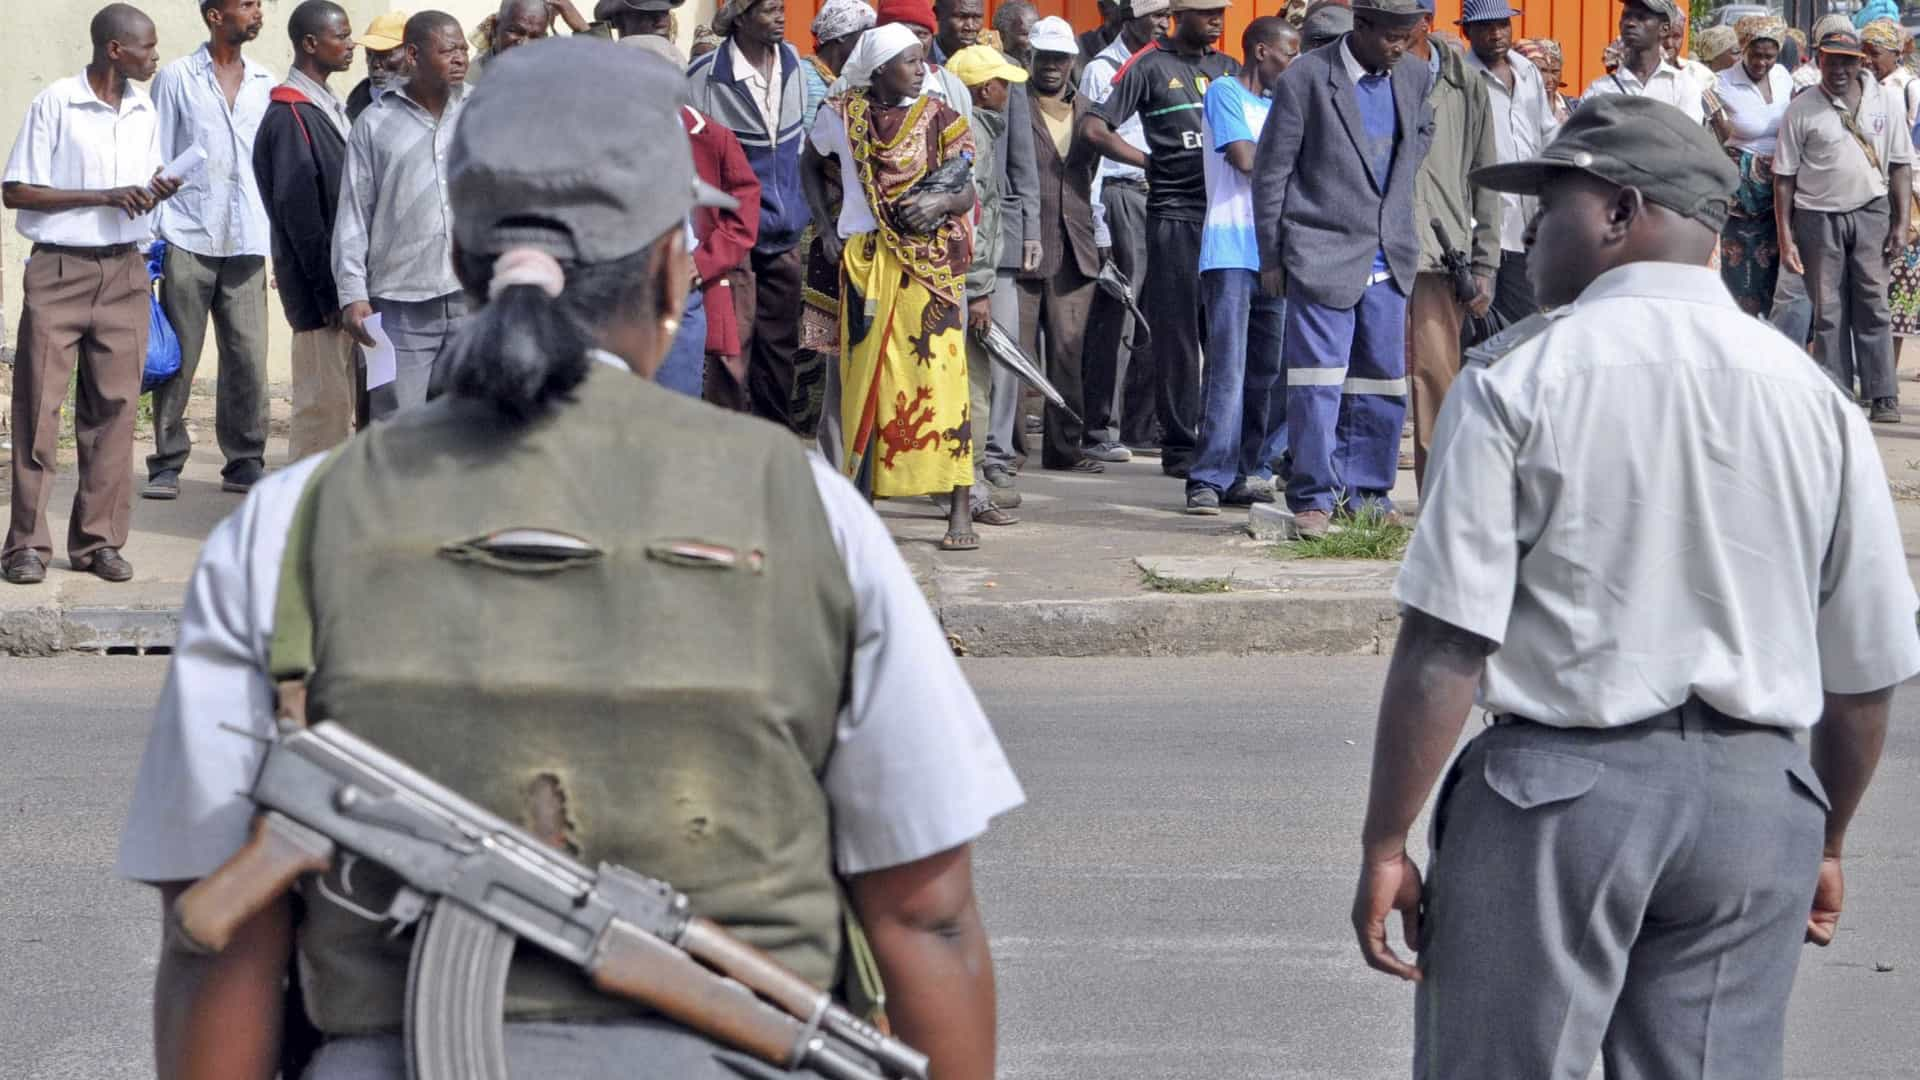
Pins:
<point x="163" y="345"/>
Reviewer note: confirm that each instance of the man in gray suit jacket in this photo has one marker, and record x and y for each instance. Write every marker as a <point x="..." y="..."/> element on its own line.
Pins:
<point x="1333" y="184"/>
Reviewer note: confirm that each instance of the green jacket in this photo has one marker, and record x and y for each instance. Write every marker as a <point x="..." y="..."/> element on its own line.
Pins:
<point x="1462" y="142"/>
<point x="989" y="181"/>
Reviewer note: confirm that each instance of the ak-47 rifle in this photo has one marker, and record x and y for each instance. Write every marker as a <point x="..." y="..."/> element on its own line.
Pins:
<point x="479" y="883"/>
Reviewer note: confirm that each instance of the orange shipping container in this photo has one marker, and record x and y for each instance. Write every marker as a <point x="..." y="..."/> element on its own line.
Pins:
<point x="1582" y="27"/>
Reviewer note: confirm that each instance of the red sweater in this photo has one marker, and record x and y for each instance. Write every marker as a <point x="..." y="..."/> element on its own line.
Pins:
<point x="725" y="237"/>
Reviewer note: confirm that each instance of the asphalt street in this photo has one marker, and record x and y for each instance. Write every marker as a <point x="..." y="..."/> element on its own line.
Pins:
<point x="1171" y="903"/>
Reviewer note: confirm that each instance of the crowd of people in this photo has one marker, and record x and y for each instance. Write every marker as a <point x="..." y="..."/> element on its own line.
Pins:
<point x="1246" y="269"/>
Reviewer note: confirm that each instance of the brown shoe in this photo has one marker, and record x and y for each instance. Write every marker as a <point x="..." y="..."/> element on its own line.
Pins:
<point x="25" y="568"/>
<point x="1312" y="524"/>
<point x="107" y="565"/>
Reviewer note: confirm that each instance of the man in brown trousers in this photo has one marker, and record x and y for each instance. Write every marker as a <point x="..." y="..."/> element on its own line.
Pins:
<point x="84" y="175"/>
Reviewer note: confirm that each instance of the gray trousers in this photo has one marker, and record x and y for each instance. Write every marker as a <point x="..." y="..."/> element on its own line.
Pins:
<point x="418" y="329"/>
<point x="641" y="1049"/>
<point x="233" y="291"/>
<point x="1638" y="894"/>
<point x="1847" y="278"/>
<point x="1003" y="445"/>
<point x="987" y="386"/>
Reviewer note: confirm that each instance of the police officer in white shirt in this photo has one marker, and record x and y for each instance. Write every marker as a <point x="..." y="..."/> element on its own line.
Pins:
<point x="1657" y="545"/>
<point x="84" y="176"/>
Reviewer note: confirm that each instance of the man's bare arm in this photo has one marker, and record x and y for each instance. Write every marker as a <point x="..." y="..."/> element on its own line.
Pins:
<point x="932" y="950"/>
<point x="218" y="1017"/>
<point x="1101" y="136"/>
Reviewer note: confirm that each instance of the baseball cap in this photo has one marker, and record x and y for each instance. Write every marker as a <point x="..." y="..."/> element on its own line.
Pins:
<point x="386" y="32"/>
<point x="1140" y="9"/>
<point x="1201" y="5"/>
<point x="1633" y="142"/>
<point x="976" y="64"/>
<point x="1838" y="42"/>
<point x="1055" y="35"/>
<point x="1391" y="8"/>
<point x="584" y="193"/>
<point x="1666" y="9"/>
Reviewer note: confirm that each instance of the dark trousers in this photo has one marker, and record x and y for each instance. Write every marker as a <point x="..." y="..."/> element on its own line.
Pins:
<point x="1243" y="423"/>
<point x="1119" y="377"/>
<point x="93" y="314"/>
<point x="1847" y="278"/>
<point x="776" y="334"/>
<point x="233" y="291"/>
<point x="1172" y="305"/>
<point x="1512" y="292"/>
<point x="1053" y="318"/>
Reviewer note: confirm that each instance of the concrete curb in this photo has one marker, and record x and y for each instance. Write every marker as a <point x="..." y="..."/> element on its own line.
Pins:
<point x="50" y="629"/>
<point x="1174" y="624"/>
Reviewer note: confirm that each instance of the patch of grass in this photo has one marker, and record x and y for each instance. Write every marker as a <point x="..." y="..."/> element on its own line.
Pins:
<point x="1366" y="535"/>
<point x="1161" y="583"/>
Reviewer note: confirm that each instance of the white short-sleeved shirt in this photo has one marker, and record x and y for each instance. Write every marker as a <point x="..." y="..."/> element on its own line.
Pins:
<point x="1667" y="83"/>
<point x="1754" y="119"/>
<point x="1831" y="170"/>
<point x="73" y="141"/>
<point x="915" y="770"/>
<point x="830" y="140"/>
<point x="1659" y="497"/>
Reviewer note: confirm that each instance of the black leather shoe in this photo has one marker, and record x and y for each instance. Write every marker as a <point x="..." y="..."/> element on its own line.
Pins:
<point x="107" y="565"/>
<point x="25" y="568"/>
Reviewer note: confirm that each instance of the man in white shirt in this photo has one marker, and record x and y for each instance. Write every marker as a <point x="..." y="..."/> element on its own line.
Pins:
<point x="1628" y="860"/>
<point x="1843" y="146"/>
<point x="218" y="240"/>
<point x="1523" y="122"/>
<point x="1644" y="70"/>
<point x="1117" y="361"/>
<point x="84" y="175"/>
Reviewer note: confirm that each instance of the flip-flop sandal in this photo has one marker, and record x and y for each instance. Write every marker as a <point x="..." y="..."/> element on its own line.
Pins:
<point x="993" y="515"/>
<point x="951" y="542"/>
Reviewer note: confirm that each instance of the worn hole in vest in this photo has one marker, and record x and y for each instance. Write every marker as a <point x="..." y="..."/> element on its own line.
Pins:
<point x="525" y="550"/>
<point x="700" y="554"/>
<point x="547" y="814"/>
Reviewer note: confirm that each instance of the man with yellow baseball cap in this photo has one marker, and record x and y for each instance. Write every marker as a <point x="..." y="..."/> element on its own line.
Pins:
<point x="387" y="66"/>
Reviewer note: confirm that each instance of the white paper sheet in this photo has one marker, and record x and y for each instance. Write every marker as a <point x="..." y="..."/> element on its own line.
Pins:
<point x="186" y="164"/>
<point x="381" y="361"/>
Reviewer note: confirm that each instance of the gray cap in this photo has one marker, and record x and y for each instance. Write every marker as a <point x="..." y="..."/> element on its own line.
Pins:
<point x="1325" y="22"/>
<point x="1394" y="9"/>
<point x="1632" y="142"/>
<point x="576" y="148"/>
<point x="1666" y="9"/>
<point x="607" y="10"/>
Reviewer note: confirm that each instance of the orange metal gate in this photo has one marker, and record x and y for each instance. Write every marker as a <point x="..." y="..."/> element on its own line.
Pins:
<point x="1583" y="27"/>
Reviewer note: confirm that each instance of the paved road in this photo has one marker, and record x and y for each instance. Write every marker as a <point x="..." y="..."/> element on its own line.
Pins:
<point x="1171" y="904"/>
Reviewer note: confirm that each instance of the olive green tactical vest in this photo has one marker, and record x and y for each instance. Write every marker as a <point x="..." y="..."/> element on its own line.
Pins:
<point x="625" y="627"/>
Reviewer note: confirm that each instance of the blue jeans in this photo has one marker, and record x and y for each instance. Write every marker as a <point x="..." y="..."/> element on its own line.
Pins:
<point x="1346" y="398"/>
<point x="1243" y="405"/>
<point x="686" y="363"/>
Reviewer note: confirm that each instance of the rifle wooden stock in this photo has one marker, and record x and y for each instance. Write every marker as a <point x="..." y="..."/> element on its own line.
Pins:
<point x="629" y="962"/>
<point x="208" y="914"/>
<point x="706" y="942"/>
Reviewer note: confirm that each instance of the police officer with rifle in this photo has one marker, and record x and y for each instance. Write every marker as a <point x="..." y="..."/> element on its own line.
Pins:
<point x="561" y="619"/>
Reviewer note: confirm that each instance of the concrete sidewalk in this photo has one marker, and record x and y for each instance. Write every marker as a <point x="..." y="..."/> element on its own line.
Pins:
<point x="1103" y="565"/>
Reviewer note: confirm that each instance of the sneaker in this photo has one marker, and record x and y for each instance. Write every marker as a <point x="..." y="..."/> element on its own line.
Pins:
<point x="1246" y="492"/>
<point x="165" y="485"/>
<point x="243" y="477"/>
<point x="1312" y="524"/>
<point x="1203" y="501"/>
<point x="1886" y="410"/>
<point x="1112" y="453"/>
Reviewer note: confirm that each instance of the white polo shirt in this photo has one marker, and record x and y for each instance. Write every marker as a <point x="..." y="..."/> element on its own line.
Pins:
<point x="74" y="141"/>
<point x="1658" y="497"/>
<point x="1831" y="170"/>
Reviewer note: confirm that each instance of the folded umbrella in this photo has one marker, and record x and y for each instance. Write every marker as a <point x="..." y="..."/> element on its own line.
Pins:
<point x="1000" y="346"/>
<point x="1120" y="289"/>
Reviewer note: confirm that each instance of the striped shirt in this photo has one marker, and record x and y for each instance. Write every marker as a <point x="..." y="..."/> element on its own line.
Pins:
<point x="217" y="212"/>
<point x="393" y="238"/>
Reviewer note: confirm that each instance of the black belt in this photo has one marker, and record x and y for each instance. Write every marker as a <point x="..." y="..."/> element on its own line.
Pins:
<point x="1693" y="715"/>
<point x="1129" y="182"/>
<point x="110" y="251"/>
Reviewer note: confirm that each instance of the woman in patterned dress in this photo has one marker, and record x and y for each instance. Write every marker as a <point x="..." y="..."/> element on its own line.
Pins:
<point x="1885" y="41"/>
<point x="903" y="253"/>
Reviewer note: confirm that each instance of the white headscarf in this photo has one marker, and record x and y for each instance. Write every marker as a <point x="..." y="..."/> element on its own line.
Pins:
<point x="874" y="49"/>
<point x="839" y="18"/>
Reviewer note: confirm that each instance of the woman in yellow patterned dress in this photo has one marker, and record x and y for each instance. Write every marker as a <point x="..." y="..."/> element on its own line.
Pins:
<point x="903" y="359"/>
